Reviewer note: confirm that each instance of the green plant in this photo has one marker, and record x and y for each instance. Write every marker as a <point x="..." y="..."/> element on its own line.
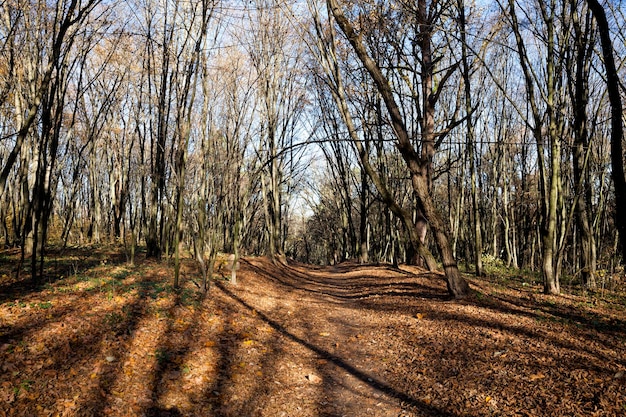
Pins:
<point x="121" y="275"/>
<point x="162" y="356"/>
<point x="189" y="297"/>
<point x="113" y="319"/>
<point x="491" y="261"/>
<point x="25" y="385"/>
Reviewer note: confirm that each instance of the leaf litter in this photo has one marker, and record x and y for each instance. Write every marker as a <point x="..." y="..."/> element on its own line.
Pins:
<point x="348" y="340"/>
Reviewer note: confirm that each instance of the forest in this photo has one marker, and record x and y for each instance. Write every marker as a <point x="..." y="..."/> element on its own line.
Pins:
<point x="392" y="132"/>
<point x="191" y="151"/>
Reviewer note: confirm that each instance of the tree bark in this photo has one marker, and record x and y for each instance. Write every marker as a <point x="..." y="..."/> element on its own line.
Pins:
<point x="617" y="129"/>
<point x="581" y="149"/>
<point x="476" y="222"/>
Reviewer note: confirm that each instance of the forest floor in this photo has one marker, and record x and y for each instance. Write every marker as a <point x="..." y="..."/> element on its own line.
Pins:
<point x="102" y="338"/>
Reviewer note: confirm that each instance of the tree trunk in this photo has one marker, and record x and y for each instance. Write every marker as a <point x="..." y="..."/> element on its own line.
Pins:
<point x="549" y="187"/>
<point x="363" y="249"/>
<point x="457" y="286"/>
<point x="476" y="219"/>
<point x="617" y="129"/>
<point x="551" y="272"/>
<point x="581" y="149"/>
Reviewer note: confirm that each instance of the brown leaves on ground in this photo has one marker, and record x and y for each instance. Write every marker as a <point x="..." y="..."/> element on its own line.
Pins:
<point x="298" y="340"/>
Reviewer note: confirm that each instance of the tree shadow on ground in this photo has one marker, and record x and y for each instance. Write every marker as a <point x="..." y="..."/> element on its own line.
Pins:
<point x="568" y="314"/>
<point x="81" y="339"/>
<point x="313" y="344"/>
<point x="60" y="264"/>
<point x="589" y="324"/>
<point x="162" y="412"/>
<point x="365" y="378"/>
<point x="428" y="286"/>
<point x="538" y="332"/>
<point x="358" y="287"/>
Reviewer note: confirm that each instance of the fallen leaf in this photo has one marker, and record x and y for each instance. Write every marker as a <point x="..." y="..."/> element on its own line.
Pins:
<point x="50" y="374"/>
<point x="314" y="379"/>
<point x="535" y="377"/>
<point x="324" y="334"/>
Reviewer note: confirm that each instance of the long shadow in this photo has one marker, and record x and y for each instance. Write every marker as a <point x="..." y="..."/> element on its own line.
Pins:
<point x="614" y="330"/>
<point x="338" y="275"/>
<point x="97" y="401"/>
<point x="78" y="346"/>
<point x="77" y="342"/>
<point x="260" y="395"/>
<point x="349" y="290"/>
<point x="13" y="334"/>
<point x="42" y="316"/>
<point x="531" y="335"/>
<point x="590" y="320"/>
<point x="507" y="305"/>
<point x="367" y="379"/>
<point x="571" y="344"/>
<point x="355" y="289"/>
<point x="347" y="267"/>
<point x="54" y="271"/>
<point x="162" y="412"/>
<point x="510" y="307"/>
<point x="170" y="358"/>
<point x="568" y="314"/>
<point x="218" y="392"/>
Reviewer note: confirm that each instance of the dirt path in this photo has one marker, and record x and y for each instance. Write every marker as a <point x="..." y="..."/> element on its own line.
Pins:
<point x="336" y="352"/>
<point x="302" y="341"/>
<point x="387" y="342"/>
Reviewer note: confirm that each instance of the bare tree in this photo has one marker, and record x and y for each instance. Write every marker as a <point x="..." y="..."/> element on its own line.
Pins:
<point x="275" y="58"/>
<point x="419" y="166"/>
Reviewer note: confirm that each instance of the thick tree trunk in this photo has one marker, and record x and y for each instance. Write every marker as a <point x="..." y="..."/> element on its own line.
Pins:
<point x="581" y="149"/>
<point x="550" y="274"/>
<point x="457" y="286"/>
<point x="617" y="129"/>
